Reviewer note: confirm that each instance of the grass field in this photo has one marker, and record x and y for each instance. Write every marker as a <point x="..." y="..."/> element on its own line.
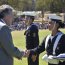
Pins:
<point x="19" y="41"/>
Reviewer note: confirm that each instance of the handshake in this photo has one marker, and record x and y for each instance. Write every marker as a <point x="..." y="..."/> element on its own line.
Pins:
<point x="26" y="53"/>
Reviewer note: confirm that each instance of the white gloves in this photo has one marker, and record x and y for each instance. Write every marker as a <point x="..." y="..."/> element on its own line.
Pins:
<point x="45" y="58"/>
<point x="50" y="59"/>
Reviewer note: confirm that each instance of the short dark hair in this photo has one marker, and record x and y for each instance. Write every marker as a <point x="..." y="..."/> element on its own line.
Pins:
<point x="32" y="17"/>
<point x="59" y="22"/>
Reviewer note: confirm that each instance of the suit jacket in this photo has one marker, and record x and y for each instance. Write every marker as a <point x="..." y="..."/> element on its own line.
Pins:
<point x="7" y="48"/>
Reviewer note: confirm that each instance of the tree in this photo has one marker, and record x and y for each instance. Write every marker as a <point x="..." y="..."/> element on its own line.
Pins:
<point x="42" y="5"/>
<point x="57" y="6"/>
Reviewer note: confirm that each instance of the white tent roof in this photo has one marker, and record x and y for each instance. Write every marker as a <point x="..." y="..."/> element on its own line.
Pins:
<point x="29" y="13"/>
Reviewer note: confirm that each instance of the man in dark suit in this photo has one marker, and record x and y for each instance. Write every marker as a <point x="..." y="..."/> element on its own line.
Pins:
<point x="7" y="48"/>
<point x="32" y="38"/>
<point x="54" y="44"/>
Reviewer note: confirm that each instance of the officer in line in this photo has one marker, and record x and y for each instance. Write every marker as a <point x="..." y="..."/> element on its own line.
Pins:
<point x="7" y="48"/>
<point x="54" y="44"/>
<point x="32" y="38"/>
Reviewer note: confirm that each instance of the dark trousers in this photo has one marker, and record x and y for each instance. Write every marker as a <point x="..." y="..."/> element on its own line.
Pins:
<point x="30" y="61"/>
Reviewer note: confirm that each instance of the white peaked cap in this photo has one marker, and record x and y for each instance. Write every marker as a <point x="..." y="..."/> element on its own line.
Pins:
<point x="55" y="17"/>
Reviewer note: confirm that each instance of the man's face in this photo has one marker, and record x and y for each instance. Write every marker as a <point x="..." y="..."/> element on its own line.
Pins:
<point x="9" y="18"/>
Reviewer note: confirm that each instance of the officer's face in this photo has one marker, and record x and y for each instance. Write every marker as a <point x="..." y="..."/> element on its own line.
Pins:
<point x="27" y="20"/>
<point x="52" y="25"/>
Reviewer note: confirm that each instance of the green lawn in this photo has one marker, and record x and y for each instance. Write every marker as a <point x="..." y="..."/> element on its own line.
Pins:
<point x="19" y="41"/>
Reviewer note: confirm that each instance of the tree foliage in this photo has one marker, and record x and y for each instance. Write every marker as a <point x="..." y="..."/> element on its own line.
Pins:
<point x="29" y="5"/>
